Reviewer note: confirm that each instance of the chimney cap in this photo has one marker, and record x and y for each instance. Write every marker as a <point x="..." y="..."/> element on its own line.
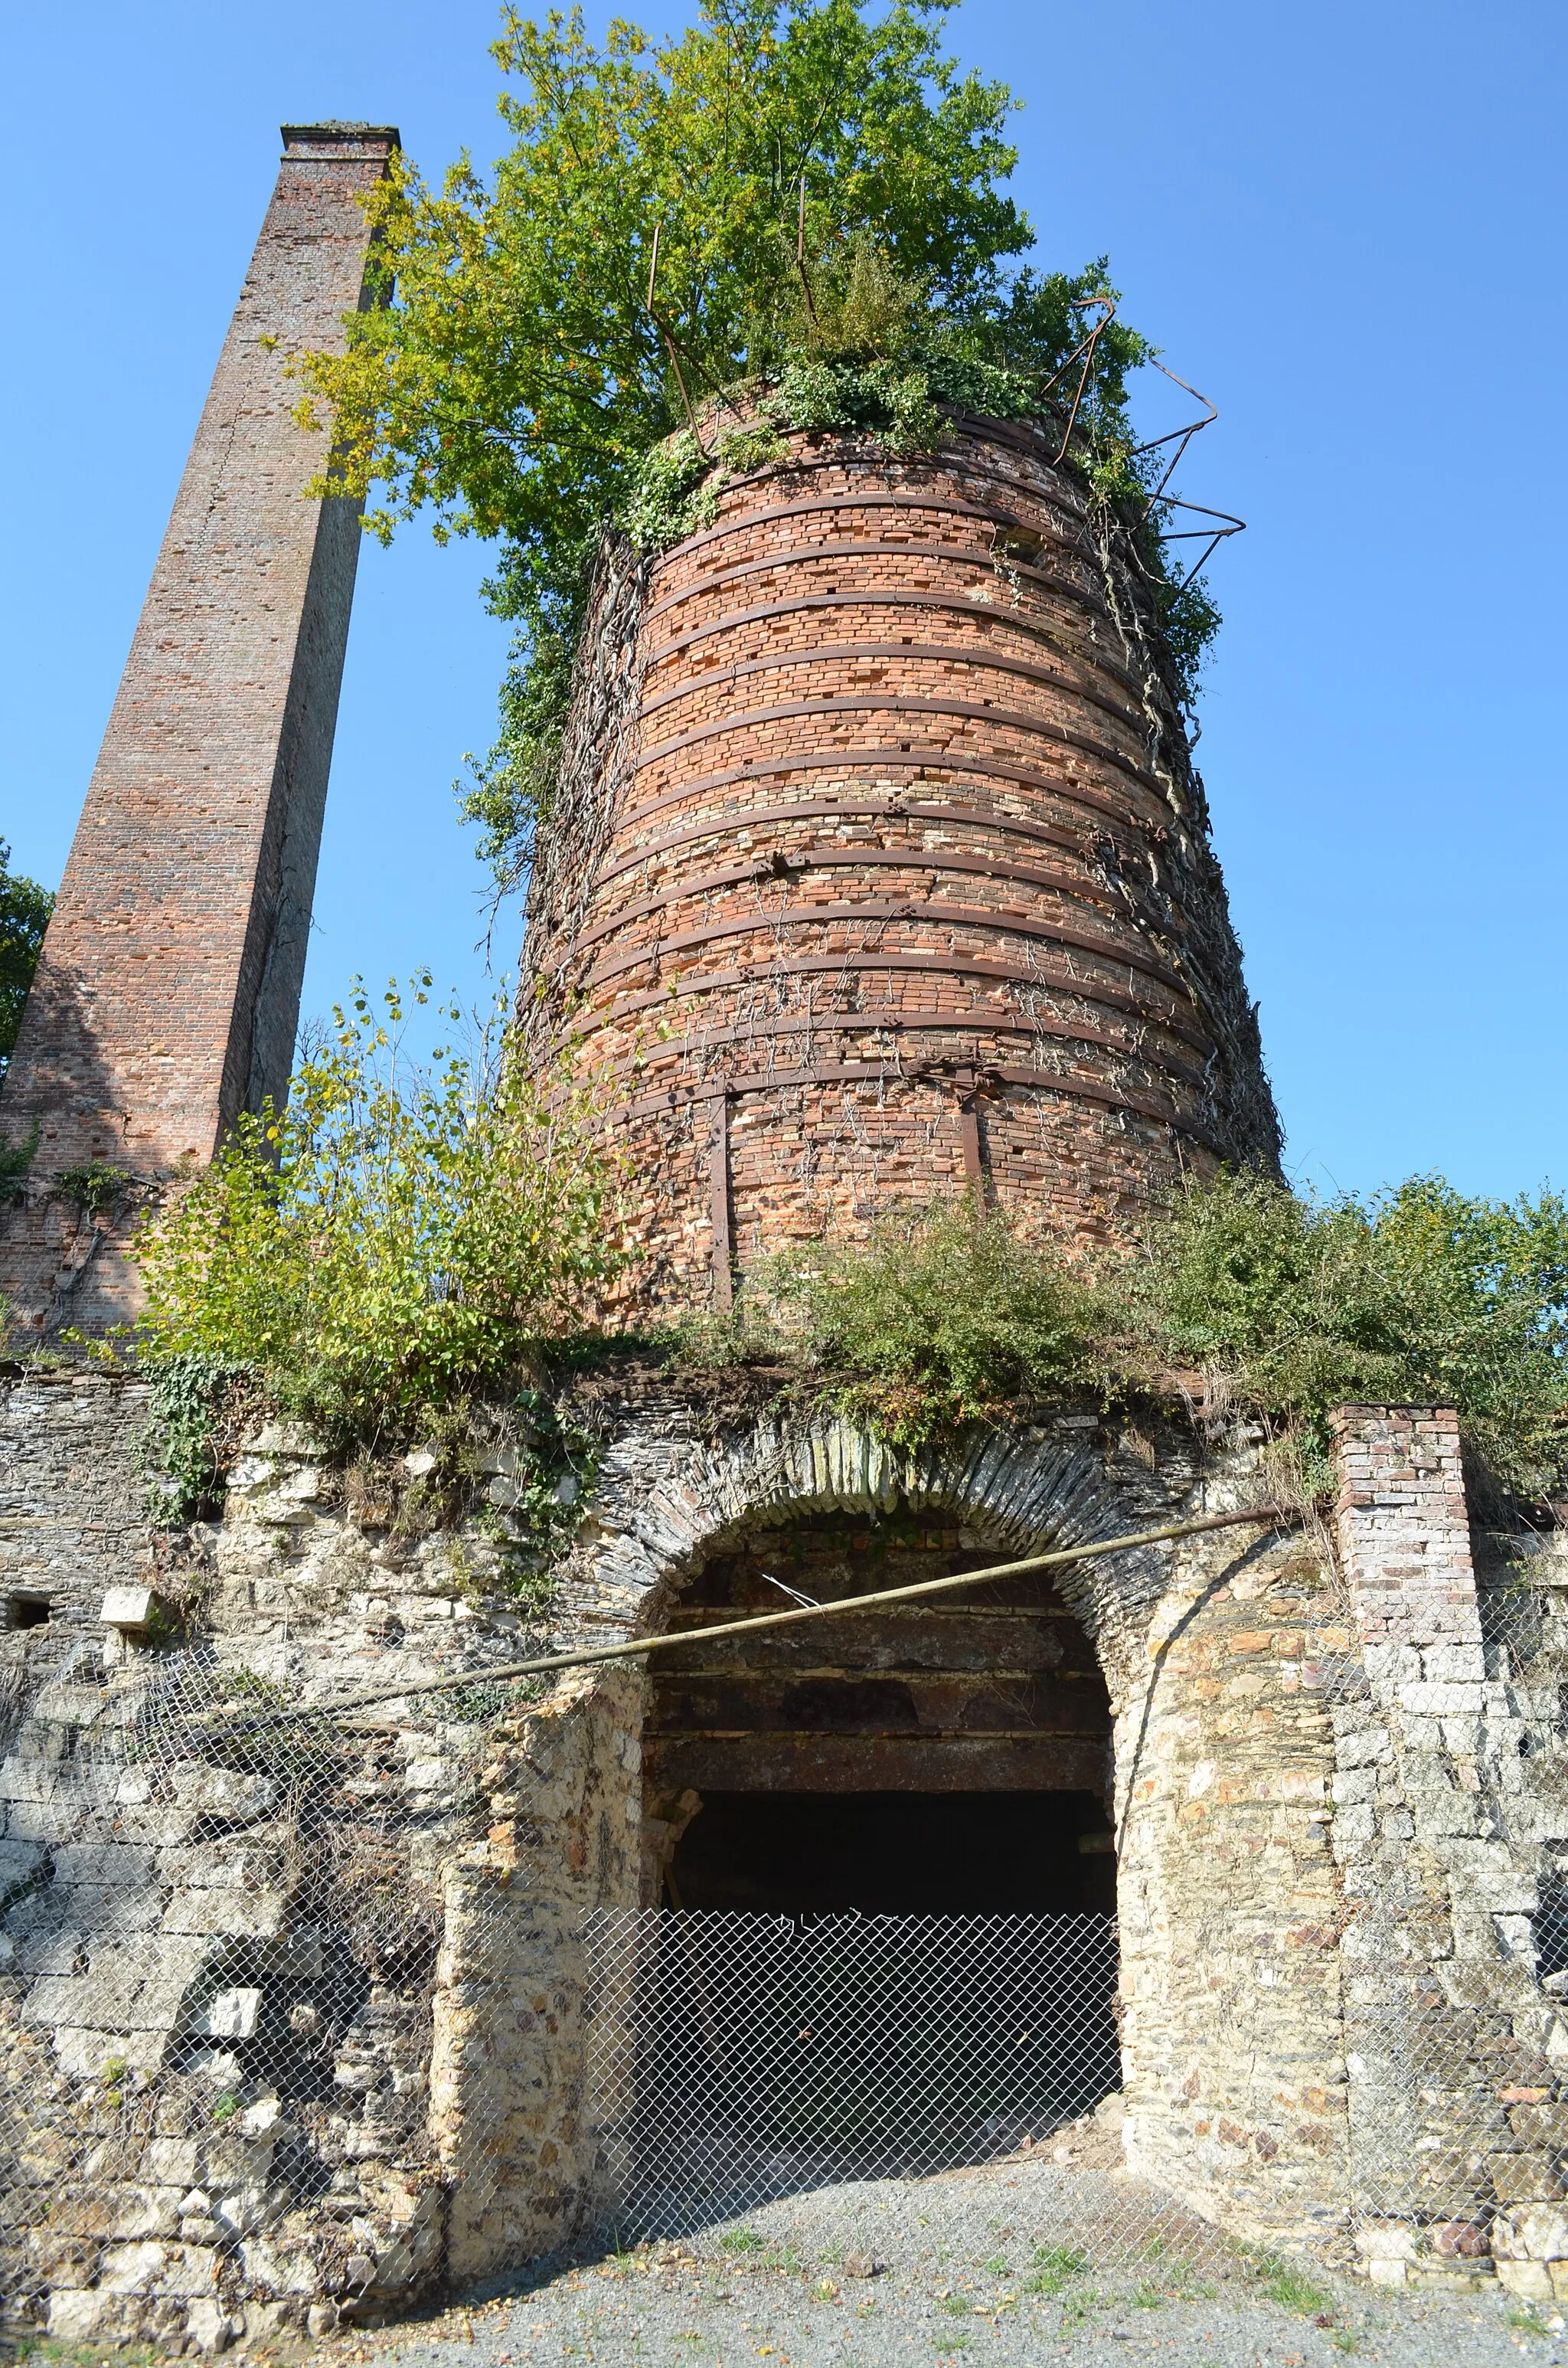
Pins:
<point x="382" y="137"/>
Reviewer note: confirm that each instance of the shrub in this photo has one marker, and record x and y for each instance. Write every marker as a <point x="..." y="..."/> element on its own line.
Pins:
<point x="1288" y="1307"/>
<point x="1419" y="1295"/>
<point x="392" y="1240"/>
<point x="944" y="1318"/>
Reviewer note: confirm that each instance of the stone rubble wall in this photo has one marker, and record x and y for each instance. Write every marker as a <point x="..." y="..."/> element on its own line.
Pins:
<point x="224" y="1985"/>
<point x="72" y="1519"/>
<point x="291" y="2031"/>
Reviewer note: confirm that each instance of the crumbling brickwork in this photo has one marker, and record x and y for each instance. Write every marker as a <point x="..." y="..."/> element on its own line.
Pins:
<point x="906" y="881"/>
<point x="1450" y="1821"/>
<point x="168" y="993"/>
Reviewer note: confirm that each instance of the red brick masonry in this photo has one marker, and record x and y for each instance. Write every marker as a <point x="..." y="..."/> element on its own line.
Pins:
<point x="909" y="881"/>
<point x="168" y="995"/>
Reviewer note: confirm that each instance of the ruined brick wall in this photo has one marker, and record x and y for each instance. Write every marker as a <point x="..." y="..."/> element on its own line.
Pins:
<point x="907" y="878"/>
<point x="1450" y="1828"/>
<point x="167" y="996"/>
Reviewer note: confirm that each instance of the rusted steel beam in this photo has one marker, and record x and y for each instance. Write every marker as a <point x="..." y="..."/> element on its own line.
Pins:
<point x="1173" y="1022"/>
<point x="977" y="654"/>
<point x="812" y="1763"/>
<point x="968" y="1134"/>
<point x="719" y="1202"/>
<point x="875" y="702"/>
<point x="882" y="908"/>
<point x="856" y="1702"/>
<point x="932" y="758"/>
<point x="999" y="1643"/>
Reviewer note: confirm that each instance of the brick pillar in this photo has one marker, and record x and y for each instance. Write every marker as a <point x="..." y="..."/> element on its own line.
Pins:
<point x="1444" y="2027"/>
<point x="168" y="993"/>
<point x="1404" y="1543"/>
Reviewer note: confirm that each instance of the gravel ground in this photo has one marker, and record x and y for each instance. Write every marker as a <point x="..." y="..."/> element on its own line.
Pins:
<point x="967" y="2269"/>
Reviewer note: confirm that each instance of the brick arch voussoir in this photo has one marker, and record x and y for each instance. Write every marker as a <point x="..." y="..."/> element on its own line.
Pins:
<point x="1028" y="1491"/>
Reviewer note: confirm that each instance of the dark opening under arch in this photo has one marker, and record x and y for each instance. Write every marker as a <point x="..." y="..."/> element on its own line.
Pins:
<point x="949" y="1758"/>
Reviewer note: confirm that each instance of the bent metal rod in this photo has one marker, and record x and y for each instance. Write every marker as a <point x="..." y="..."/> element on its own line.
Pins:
<point x="1268" y="1516"/>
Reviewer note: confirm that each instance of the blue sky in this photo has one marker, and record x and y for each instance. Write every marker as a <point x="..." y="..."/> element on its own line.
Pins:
<point x="1344" y="223"/>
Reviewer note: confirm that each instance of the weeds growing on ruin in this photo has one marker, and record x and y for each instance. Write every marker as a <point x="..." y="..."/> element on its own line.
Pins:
<point x="393" y="1241"/>
<point x="413" y="1266"/>
<point x="1245" y="1300"/>
<point x="940" y="1321"/>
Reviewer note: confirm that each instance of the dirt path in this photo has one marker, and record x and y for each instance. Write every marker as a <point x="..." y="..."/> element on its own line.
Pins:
<point x="965" y="2270"/>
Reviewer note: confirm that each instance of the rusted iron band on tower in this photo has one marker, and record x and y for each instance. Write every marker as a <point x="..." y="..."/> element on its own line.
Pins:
<point x="880" y="866"/>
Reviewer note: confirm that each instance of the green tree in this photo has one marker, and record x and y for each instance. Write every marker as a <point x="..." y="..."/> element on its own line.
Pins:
<point x="523" y="371"/>
<point x="789" y="191"/>
<point x="25" y="908"/>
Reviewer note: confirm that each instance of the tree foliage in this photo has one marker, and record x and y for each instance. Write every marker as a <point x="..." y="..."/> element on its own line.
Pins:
<point x="790" y="194"/>
<point x="394" y="1239"/>
<point x="25" y="908"/>
<point x="522" y="373"/>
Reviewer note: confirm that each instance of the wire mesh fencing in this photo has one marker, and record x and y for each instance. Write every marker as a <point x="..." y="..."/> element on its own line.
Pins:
<point x="218" y="1938"/>
<point x="238" y="2073"/>
<point x="734" y="2058"/>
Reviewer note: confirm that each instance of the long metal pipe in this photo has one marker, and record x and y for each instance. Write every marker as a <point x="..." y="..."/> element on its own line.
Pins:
<point x="1268" y="1516"/>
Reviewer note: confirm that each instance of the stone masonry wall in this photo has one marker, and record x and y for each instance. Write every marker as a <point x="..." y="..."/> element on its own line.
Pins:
<point x="1450" y="1813"/>
<point x="300" y="2027"/>
<point x="72" y="1518"/>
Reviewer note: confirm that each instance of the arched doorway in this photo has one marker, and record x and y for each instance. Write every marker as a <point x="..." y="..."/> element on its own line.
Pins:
<point x="882" y="1845"/>
<point x="948" y="1756"/>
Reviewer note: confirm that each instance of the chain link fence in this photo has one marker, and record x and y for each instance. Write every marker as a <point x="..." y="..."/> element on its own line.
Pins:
<point x="736" y="2059"/>
<point x="221" y="2080"/>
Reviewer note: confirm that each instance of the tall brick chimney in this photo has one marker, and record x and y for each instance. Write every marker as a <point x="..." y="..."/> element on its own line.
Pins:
<point x="168" y="993"/>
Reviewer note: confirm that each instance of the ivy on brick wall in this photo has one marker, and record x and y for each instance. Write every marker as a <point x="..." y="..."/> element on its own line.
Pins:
<point x="793" y="205"/>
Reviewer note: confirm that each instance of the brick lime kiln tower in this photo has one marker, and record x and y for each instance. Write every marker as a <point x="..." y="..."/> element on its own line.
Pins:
<point x="877" y="867"/>
<point x="880" y="866"/>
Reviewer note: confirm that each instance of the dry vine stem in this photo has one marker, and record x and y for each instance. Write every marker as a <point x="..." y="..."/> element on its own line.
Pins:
<point x="1269" y="1517"/>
